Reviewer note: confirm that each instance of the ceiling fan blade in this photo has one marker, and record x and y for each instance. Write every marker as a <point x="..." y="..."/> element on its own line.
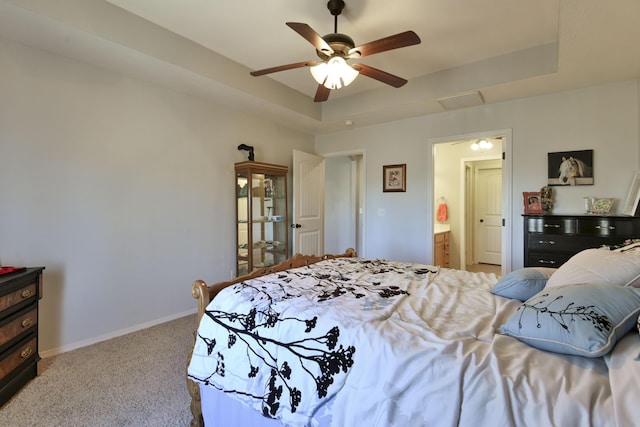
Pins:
<point x="380" y="75"/>
<point x="408" y="38"/>
<point x="311" y="36"/>
<point x="322" y="94"/>
<point x="282" y="68"/>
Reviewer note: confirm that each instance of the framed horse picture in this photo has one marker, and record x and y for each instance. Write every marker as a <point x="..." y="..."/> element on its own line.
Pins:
<point x="570" y="168"/>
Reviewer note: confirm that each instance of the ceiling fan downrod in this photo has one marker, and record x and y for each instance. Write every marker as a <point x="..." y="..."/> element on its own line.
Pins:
<point x="335" y="7"/>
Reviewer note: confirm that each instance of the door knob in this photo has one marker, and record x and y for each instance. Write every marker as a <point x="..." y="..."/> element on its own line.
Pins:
<point x="482" y="220"/>
<point x="296" y="226"/>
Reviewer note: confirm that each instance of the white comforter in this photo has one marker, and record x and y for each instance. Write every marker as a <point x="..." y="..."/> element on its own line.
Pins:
<point x="354" y="342"/>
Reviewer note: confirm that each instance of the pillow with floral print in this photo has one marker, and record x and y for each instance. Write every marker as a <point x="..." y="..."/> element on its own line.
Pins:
<point x="582" y="319"/>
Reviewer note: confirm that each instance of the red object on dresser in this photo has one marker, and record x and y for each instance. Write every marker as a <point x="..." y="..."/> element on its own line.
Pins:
<point x="7" y="270"/>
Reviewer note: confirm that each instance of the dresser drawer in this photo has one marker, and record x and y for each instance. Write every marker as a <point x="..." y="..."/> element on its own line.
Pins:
<point x="559" y="243"/>
<point x="18" y="324"/>
<point x="551" y="242"/>
<point x="547" y="259"/>
<point x="12" y="300"/>
<point x="550" y="225"/>
<point x="606" y="227"/>
<point x="17" y="355"/>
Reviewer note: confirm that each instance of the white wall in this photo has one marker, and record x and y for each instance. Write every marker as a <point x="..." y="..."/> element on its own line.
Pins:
<point x="602" y="118"/>
<point x="123" y="190"/>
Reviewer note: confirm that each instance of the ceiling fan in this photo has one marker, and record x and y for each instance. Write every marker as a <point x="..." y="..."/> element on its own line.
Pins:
<point x="335" y="49"/>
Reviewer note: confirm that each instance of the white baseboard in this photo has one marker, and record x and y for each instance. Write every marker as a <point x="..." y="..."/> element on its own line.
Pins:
<point x="55" y="351"/>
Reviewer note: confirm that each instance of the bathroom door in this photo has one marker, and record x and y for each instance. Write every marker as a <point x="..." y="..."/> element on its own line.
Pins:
<point x="488" y="215"/>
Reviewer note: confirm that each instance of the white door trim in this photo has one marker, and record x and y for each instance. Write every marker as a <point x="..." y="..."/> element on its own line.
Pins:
<point x="363" y="192"/>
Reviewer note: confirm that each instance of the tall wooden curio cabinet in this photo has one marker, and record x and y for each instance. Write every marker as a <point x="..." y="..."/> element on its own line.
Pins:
<point x="262" y="232"/>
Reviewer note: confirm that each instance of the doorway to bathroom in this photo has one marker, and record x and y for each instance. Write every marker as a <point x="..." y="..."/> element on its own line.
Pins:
<point x="475" y="183"/>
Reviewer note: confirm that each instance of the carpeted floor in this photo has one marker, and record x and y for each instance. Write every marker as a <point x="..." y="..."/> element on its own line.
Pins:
<point x="134" y="380"/>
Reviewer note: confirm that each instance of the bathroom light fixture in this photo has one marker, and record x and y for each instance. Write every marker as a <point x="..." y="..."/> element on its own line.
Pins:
<point x="481" y="144"/>
<point x="334" y="73"/>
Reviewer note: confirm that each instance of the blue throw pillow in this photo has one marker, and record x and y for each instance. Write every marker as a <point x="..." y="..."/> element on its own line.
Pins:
<point x="584" y="319"/>
<point x="524" y="283"/>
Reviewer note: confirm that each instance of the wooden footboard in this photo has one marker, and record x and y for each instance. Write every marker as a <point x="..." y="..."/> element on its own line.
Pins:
<point x="204" y="294"/>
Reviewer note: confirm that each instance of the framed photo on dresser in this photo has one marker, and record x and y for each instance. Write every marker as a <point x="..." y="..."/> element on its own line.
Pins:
<point x="532" y="202"/>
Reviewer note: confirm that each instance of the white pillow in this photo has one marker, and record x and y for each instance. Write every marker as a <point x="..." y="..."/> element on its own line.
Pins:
<point x="593" y="266"/>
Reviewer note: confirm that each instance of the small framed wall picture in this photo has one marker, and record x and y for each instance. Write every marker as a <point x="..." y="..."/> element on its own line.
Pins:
<point x="532" y="202"/>
<point x="394" y="178"/>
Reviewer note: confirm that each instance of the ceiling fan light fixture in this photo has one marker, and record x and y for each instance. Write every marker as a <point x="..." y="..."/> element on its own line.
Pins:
<point x="335" y="49"/>
<point x="334" y="73"/>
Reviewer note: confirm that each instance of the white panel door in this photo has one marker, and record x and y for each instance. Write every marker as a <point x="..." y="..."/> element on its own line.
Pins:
<point x="308" y="203"/>
<point x="488" y="201"/>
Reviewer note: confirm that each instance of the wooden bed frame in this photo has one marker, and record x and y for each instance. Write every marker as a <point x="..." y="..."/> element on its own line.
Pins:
<point x="204" y="294"/>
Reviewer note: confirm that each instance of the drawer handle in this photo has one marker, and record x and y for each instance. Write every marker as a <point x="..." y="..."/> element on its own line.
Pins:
<point x="27" y="322"/>
<point x="547" y="242"/>
<point x="544" y="261"/>
<point x="26" y="293"/>
<point x="611" y="227"/>
<point x="26" y="352"/>
<point x="551" y="226"/>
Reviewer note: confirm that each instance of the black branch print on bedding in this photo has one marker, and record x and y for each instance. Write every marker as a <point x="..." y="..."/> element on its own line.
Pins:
<point x="335" y="282"/>
<point x="570" y="313"/>
<point x="321" y="351"/>
<point x="315" y="355"/>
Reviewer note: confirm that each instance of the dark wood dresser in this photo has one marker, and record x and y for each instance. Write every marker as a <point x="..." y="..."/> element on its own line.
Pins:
<point x="19" y="295"/>
<point x="550" y="240"/>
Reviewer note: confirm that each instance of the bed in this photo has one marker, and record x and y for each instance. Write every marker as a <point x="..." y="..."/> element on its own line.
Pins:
<point x="342" y="340"/>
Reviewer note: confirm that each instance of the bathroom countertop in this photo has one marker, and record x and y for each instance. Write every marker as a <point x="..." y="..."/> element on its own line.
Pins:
<point x="441" y="228"/>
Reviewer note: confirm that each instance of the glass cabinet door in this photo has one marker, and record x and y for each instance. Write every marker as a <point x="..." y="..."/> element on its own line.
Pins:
<point x="262" y="232"/>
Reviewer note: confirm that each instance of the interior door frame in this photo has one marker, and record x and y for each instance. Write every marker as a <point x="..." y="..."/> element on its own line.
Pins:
<point x="507" y="199"/>
<point x="363" y="194"/>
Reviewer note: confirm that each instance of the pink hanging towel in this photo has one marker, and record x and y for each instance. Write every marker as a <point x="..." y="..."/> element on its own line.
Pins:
<point x="443" y="212"/>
